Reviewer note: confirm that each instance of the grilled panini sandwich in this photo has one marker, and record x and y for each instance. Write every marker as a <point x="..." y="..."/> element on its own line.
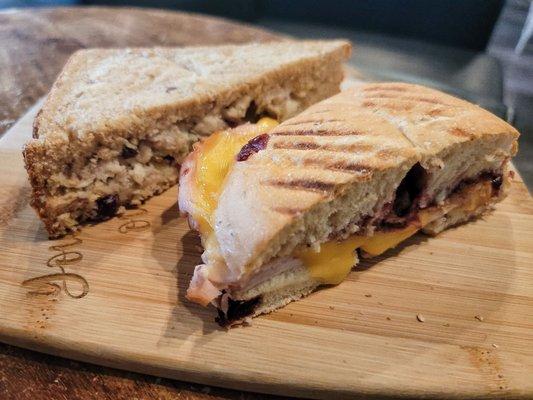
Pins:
<point x="283" y="209"/>
<point x="118" y="122"/>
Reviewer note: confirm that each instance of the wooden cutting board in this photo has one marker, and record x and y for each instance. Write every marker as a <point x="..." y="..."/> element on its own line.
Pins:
<point x="114" y="295"/>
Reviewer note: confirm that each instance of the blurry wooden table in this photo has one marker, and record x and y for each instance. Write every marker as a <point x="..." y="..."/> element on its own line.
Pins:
<point x="34" y="46"/>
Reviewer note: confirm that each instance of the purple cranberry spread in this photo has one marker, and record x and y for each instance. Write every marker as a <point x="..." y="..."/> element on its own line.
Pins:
<point x="255" y="145"/>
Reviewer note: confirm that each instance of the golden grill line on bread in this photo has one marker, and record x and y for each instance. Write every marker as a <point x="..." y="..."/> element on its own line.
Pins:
<point x="364" y="170"/>
<point x="118" y="122"/>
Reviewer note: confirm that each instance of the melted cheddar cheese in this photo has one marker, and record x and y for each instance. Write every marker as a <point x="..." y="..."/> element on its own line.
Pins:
<point x="216" y="156"/>
<point x="383" y="241"/>
<point x="333" y="262"/>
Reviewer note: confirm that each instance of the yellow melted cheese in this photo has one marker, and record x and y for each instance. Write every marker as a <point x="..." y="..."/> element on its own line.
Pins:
<point x="383" y="241"/>
<point x="215" y="159"/>
<point x="334" y="261"/>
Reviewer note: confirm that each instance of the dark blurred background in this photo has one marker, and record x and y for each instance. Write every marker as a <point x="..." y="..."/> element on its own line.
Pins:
<point x="469" y="48"/>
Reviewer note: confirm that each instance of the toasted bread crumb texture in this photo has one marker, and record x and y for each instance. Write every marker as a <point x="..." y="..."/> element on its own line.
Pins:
<point x="118" y="122"/>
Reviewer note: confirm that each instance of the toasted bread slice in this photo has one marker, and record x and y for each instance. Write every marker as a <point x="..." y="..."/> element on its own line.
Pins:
<point x="118" y="122"/>
<point x="364" y="169"/>
<point x="457" y="141"/>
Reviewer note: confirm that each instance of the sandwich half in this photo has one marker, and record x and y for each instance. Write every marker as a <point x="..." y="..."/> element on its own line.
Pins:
<point x="290" y="207"/>
<point x="118" y="122"/>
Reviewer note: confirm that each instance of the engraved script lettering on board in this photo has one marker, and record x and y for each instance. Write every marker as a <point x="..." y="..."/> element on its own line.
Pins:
<point x="52" y="284"/>
<point x="132" y="222"/>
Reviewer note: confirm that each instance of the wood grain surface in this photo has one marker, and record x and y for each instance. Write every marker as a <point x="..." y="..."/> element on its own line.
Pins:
<point x="447" y="316"/>
<point x="35" y="43"/>
<point x="481" y="270"/>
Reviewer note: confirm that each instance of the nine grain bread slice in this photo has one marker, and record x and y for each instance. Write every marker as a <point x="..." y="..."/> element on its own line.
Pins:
<point x="118" y="122"/>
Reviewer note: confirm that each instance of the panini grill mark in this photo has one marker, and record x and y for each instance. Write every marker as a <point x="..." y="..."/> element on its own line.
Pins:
<point x="459" y="132"/>
<point x="360" y="169"/>
<point x="428" y="100"/>
<point x="339" y="166"/>
<point x="318" y="132"/>
<point x="390" y="106"/>
<point x="296" y="145"/>
<point x="345" y="148"/>
<point x="306" y="132"/>
<point x="417" y="99"/>
<point x="321" y="111"/>
<point x="436" y="112"/>
<point x="306" y="185"/>
<point x="290" y="211"/>
<point x="388" y="153"/>
<point x="392" y="88"/>
<point x="311" y="121"/>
